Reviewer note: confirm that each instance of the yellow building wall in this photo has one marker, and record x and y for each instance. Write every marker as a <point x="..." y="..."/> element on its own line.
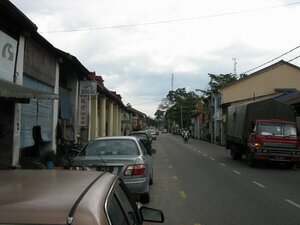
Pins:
<point x="262" y="84"/>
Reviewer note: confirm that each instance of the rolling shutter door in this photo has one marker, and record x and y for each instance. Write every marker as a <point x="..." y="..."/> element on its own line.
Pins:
<point x="39" y="112"/>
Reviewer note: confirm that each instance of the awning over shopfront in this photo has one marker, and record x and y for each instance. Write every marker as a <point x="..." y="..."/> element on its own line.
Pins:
<point x="17" y="93"/>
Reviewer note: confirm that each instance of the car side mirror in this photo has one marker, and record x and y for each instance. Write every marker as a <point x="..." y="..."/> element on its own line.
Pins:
<point x="152" y="215"/>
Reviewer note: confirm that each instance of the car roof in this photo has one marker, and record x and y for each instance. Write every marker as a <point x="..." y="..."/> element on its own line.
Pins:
<point x="116" y="138"/>
<point x="47" y="196"/>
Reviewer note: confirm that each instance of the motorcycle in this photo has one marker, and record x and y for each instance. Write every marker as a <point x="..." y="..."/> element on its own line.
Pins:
<point x="185" y="138"/>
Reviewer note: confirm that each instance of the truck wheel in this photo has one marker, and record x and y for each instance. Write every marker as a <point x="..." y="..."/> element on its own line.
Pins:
<point x="251" y="160"/>
<point x="289" y="165"/>
<point x="235" y="152"/>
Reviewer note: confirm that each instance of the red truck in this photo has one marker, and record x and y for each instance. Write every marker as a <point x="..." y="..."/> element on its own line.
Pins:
<point x="263" y="131"/>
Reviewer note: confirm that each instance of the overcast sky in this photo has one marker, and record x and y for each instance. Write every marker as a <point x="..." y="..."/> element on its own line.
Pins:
<point x="135" y="45"/>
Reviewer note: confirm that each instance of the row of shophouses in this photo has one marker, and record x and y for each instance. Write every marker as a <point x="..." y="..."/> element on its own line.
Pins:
<point x="280" y="81"/>
<point x="46" y="94"/>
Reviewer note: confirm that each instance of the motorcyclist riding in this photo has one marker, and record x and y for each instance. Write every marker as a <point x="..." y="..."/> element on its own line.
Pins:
<point x="185" y="136"/>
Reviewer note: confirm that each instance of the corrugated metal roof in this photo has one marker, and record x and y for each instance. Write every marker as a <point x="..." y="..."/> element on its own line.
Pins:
<point x="19" y="93"/>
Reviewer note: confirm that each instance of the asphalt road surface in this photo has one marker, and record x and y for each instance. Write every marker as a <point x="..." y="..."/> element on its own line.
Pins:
<point x="197" y="183"/>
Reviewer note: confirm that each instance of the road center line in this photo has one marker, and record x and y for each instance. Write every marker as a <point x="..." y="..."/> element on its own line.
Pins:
<point x="222" y="164"/>
<point x="258" y="184"/>
<point x="204" y="154"/>
<point x="293" y="203"/>
<point x="175" y="177"/>
<point x="170" y="166"/>
<point x="237" y="172"/>
<point x="212" y="158"/>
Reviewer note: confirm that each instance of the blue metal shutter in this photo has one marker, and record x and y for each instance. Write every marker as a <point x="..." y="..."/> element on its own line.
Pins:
<point x="39" y="112"/>
<point x="64" y="103"/>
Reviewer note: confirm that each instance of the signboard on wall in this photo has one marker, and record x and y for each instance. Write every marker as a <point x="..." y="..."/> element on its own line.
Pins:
<point x="8" y="53"/>
<point x="83" y="110"/>
<point x="88" y="88"/>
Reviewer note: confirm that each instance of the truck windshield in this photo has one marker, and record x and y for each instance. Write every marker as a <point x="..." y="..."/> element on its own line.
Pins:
<point x="276" y="129"/>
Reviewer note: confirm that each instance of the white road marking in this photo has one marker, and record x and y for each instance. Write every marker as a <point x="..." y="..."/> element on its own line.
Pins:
<point x="212" y="158"/>
<point x="258" y="184"/>
<point x="293" y="203"/>
<point x="222" y="164"/>
<point x="204" y="154"/>
<point x="183" y="195"/>
<point x="237" y="172"/>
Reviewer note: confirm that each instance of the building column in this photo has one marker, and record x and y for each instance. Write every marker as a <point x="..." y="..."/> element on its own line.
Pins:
<point x="17" y="112"/>
<point x="116" y="120"/>
<point x="110" y="115"/>
<point x="102" y="117"/>
<point x="120" y="121"/>
<point x="93" y="118"/>
<point x="55" y="108"/>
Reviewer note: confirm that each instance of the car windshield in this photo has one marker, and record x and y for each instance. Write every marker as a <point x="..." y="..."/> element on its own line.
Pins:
<point x="110" y="147"/>
<point x="276" y="129"/>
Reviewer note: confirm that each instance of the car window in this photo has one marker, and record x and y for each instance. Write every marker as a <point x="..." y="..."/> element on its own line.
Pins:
<point x="144" y="150"/>
<point x="111" y="147"/>
<point x="121" y="208"/>
<point x="115" y="212"/>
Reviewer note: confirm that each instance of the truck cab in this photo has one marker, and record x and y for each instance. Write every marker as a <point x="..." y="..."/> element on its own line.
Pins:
<point x="273" y="140"/>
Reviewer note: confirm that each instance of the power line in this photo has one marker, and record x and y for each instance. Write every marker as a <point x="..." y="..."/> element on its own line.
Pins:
<point x="174" y="20"/>
<point x="272" y="60"/>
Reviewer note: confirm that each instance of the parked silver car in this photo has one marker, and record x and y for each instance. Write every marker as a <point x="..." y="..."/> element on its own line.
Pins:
<point x="124" y="156"/>
<point x="70" y="198"/>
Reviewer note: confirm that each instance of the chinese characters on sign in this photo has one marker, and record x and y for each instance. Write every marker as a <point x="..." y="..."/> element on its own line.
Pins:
<point x="83" y="104"/>
<point x="87" y="88"/>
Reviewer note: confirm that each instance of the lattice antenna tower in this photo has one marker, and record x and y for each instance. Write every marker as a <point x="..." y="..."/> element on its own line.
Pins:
<point x="234" y="66"/>
<point x="172" y="82"/>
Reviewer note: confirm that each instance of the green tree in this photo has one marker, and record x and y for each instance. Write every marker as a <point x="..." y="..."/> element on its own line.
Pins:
<point x="182" y="106"/>
<point x="218" y="81"/>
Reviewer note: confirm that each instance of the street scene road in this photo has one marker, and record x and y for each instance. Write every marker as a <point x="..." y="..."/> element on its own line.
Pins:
<point x="197" y="183"/>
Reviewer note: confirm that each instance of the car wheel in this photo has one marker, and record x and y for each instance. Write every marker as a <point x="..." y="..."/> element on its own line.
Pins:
<point x="151" y="181"/>
<point x="145" y="198"/>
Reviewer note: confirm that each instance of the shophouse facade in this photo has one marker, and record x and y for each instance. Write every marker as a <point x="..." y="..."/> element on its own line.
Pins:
<point x="42" y="98"/>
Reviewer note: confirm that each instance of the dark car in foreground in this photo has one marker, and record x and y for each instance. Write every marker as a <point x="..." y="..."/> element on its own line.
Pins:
<point x="124" y="156"/>
<point x="145" y="138"/>
<point x="68" y="197"/>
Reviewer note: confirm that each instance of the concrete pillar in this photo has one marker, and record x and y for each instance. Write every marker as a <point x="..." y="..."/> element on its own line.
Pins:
<point x="116" y="120"/>
<point x="17" y="113"/>
<point x="102" y="115"/>
<point x="93" y="118"/>
<point x="110" y="115"/>
<point x="55" y="107"/>
<point x="120" y="121"/>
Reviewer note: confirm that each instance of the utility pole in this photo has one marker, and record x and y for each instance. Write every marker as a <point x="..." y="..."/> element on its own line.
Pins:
<point x="211" y="113"/>
<point x="181" y="119"/>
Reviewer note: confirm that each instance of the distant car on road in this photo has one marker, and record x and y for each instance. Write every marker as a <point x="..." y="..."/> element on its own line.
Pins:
<point x="145" y="138"/>
<point x="124" y="156"/>
<point x="152" y="133"/>
<point x="69" y="197"/>
<point x="164" y="131"/>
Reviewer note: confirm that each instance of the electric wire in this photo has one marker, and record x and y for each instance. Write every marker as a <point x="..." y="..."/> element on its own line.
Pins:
<point x="172" y="21"/>
<point x="272" y="60"/>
